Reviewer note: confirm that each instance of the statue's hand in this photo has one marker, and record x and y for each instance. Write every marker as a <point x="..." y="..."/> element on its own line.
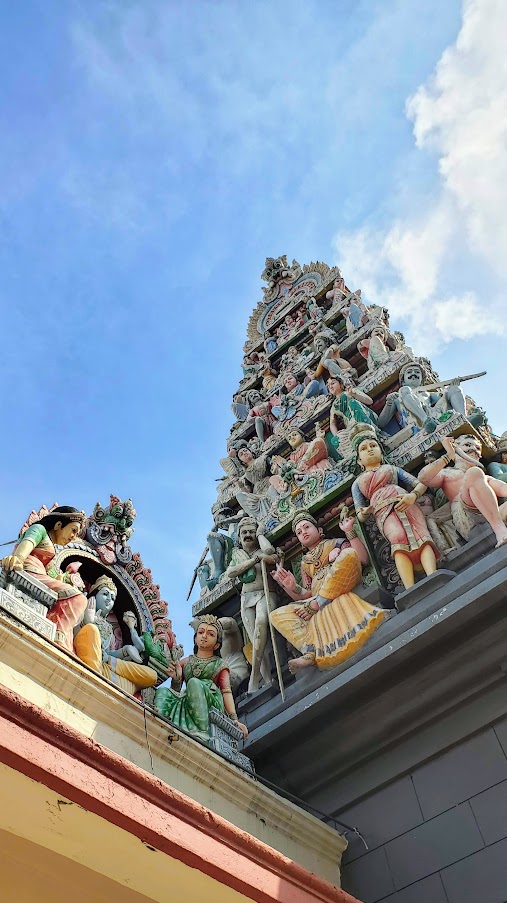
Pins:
<point x="243" y="728"/>
<point x="363" y="513"/>
<point x="12" y="563"/>
<point x="333" y="555"/>
<point x="90" y="611"/>
<point x="284" y="578"/>
<point x="269" y="559"/>
<point x="129" y="619"/>
<point x="347" y="524"/>
<point x="448" y="443"/>
<point x="409" y="499"/>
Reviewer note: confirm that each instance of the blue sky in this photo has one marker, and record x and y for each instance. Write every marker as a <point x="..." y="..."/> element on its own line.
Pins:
<point x="153" y="153"/>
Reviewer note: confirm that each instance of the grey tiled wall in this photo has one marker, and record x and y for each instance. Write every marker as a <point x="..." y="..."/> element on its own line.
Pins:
<point x="438" y="834"/>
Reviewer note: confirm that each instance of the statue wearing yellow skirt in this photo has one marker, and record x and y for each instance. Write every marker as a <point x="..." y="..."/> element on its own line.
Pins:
<point x="327" y="622"/>
<point x="92" y="643"/>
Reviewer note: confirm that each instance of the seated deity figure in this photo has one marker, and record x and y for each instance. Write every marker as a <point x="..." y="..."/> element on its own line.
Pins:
<point x="249" y="559"/>
<point x="206" y="677"/>
<point x="309" y="457"/>
<point x="261" y="413"/>
<point x="418" y="408"/>
<point x="239" y="407"/>
<point x="338" y="293"/>
<point x="349" y="405"/>
<point x="498" y="466"/>
<point x="473" y="495"/>
<point x="310" y="389"/>
<point x="260" y="487"/>
<point x="355" y="313"/>
<point x="270" y="343"/>
<point x="315" y="312"/>
<point x="389" y="494"/>
<point x="34" y="553"/>
<point x="93" y="640"/>
<point x="326" y="621"/>
<point x="330" y="359"/>
<point x="375" y="348"/>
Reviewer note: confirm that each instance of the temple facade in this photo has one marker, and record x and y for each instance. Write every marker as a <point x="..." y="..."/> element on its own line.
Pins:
<point x="358" y="556"/>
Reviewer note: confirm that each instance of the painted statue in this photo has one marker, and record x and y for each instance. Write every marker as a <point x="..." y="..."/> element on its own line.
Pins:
<point x="270" y="343"/>
<point x="260" y="487"/>
<point x="473" y="495"/>
<point x="327" y="622"/>
<point x="34" y="553"/>
<point x="94" y="639"/>
<point x="260" y="413"/>
<point x="355" y="313"/>
<point x="207" y="684"/>
<point x="309" y="457"/>
<point x="498" y="466"/>
<point x="337" y="294"/>
<point x="350" y="405"/>
<point x="418" y="408"/>
<point x="389" y="494"/>
<point x="375" y="348"/>
<point x="331" y="360"/>
<point x="258" y="595"/>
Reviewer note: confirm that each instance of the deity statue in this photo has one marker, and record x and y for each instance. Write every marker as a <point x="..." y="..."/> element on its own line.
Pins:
<point x="337" y="294"/>
<point x="220" y="546"/>
<point x="147" y="646"/>
<point x="375" y="348"/>
<point x="206" y="677"/>
<point x="93" y="640"/>
<point x="315" y="312"/>
<point x="309" y="457"/>
<point x="232" y="653"/>
<point x="239" y="407"/>
<point x="351" y="405"/>
<point x="418" y="408"/>
<point x="473" y="495"/>
<point x="498" y="466"/>
<point x="34" y="553"/>
<point x="258" y="594"/>
<point x="355" y="313"/>
<point x="331" y="359"/>
<point x="266" y="486"/>
<point x="389" y="494"/>
<point x="327" y="622"/>
<point x="270" y="343"/>
<point x="260" y="413"/>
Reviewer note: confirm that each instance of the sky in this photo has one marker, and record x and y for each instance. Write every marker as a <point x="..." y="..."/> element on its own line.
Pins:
<point x="153" y="153"/>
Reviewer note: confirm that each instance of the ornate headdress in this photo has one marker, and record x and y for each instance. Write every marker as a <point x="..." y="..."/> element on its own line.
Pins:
<point x="502" y="443"/>
<point x="361" y="431"/>
<point x="303" y="515"/>
<point x="414" y="363"/>
<point x="102" y="581"/>
<point x="213" y="622"/>
<point x="247" y="520"/>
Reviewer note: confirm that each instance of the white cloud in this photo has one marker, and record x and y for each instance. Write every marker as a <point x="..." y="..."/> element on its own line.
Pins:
<point x="460" y="115"/>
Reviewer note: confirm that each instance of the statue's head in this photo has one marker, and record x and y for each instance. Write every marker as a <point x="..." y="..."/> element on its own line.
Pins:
<point x="335" y="386"/>
<point x="295" y="438"/>
<point x="307" y="530"/>
<point x="412" y="375"/>
<point x="245" y="454"/>
<point x="254" y="444"/>
<point x="290" y="382"/>
<point x="247" y="532"/>
<point x="105" y="592"/>
<point x="208" y="634"/>
<point x="253" y="397"/>
<point x="368" y="450"/>
<point x="470" y="445"/>
<point x="63" y="524"/>
<point x="321" y="343"/>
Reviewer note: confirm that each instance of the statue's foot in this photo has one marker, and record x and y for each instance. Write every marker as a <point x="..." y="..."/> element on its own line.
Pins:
<point x="212" y="582"/>
<point x="298" y="664"/>
<point x="501" y="541"/>
<point x="253" y="686"/>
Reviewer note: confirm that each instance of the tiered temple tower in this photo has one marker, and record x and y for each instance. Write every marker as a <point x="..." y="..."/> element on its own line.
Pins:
<point x="396" y="722"/>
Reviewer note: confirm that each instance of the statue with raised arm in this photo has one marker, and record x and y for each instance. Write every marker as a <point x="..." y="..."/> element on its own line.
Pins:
<point x="498" y="466"/>
<point x="250" y="551"/>
<point x="350" y="405"/>
<point x="93" y="643"/>
<point x="207" y="684"/>
<point x="473" y="494"/>
<point x="421" y="406"/>
<point x="331" y="360"/>
<point x="326" y="621"/>
<point x="389" y="494"/>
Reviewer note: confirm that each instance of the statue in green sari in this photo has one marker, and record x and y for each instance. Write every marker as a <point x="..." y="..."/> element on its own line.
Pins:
<point x="207" y="683"/>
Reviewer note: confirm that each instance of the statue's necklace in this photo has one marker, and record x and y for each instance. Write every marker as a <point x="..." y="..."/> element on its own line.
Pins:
<point x="198" y="664"/>
<point x="313" y="555"/>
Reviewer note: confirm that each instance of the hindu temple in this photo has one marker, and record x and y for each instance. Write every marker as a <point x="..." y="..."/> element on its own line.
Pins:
<point x="338" y="731"/>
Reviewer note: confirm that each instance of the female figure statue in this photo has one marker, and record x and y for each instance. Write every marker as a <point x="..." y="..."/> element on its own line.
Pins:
<point x="258" y="500"/>
<point x="34" y="553"/>
<point x="327" y="622"/>
<point x="349" y="406"/>
<point x="207" y="684"/>
<point x="93" y="643"/>
<point x="389" y="494"/>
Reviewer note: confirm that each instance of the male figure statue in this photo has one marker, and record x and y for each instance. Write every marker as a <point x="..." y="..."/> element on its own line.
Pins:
<point x="417" y="409"/>
<point x="246" y="564"/>
<point x="473" y="495"/>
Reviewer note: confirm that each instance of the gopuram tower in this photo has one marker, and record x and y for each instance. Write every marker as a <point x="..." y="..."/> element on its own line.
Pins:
<point x="357" y="561"/>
